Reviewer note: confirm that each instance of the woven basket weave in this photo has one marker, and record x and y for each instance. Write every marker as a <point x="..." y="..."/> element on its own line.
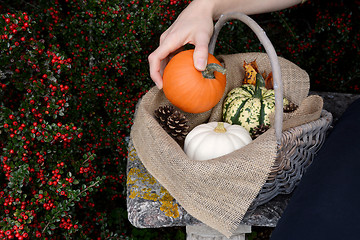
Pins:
<point x="297" y="145"/>
<point x="296" y="152"/>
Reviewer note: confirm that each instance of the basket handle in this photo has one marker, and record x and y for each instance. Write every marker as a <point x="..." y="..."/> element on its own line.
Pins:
<point x="264" y="40"/>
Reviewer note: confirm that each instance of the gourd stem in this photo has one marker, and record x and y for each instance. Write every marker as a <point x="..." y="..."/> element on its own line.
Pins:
<point x="258" y="92"/>
<point x="260" y="82"/>
<point x="211" y="68"/>
<point x="220" y="128"/>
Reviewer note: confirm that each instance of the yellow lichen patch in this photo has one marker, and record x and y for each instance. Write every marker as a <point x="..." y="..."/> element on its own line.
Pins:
<point x="147" y="194"/>
<point x="148" y="179"/>
<point x="170" y="209"/>
<point x="144" y="193"/>
<point x="168" y="204"/>
<point x="131" y="177"/>
<point x="135" y="175"/>
<point x="142" y="181"/>
<point x="132" y="154"/>
<point x="143" y="185"/>
<point x="133" y="193"/>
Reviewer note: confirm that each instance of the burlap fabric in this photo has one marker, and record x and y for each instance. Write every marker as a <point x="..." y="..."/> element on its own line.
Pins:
<point x="219" y="191"/>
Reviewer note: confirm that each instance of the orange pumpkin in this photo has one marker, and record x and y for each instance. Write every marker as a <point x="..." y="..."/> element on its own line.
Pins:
<point x="189" y="89"/>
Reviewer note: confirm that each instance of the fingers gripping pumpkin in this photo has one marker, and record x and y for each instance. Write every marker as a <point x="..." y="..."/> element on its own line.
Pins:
<point x="189" y="89"/>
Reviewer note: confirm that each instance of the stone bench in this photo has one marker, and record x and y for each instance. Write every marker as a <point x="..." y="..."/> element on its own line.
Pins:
<point x="149" y="205"/>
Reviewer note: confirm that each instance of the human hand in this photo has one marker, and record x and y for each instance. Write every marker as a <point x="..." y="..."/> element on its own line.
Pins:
<point x="193" y="26"/>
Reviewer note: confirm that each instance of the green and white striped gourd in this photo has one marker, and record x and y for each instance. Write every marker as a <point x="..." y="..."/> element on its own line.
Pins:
<point x="249" y="105"/>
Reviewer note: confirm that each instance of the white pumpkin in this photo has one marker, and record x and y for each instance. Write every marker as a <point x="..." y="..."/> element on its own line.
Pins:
<point x="215" y="139"/>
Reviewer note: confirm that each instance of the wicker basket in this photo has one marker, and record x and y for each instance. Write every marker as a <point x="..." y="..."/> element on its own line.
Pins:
<point x="296" y="152"/>
<point x="296" y="146"/>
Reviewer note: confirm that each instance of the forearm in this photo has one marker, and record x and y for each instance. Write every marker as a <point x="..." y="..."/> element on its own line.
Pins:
<point x="249" y="7"/>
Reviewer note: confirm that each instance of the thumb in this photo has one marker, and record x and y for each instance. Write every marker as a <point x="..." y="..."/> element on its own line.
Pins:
<point x="201" y="53"/>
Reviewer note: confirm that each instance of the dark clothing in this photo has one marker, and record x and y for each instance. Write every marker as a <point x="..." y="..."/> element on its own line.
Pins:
<point x="326" y="204"/>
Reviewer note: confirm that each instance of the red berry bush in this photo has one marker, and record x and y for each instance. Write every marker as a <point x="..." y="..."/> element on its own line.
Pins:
<point x="71" y="73"/>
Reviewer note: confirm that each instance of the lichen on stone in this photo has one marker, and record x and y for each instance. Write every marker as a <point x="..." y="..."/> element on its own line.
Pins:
<point x="142" y="184"/>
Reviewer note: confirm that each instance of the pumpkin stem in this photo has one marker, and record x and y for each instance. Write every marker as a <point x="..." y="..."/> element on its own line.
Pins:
<point x="211" y="68"/>
<point x="220" y="128"/>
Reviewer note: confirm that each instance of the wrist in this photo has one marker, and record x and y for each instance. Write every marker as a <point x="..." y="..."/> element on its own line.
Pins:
<point x="208" y="7"/>
<point x="216" y="8"/>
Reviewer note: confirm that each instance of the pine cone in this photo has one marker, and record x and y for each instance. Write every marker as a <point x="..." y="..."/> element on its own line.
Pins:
<point x="163" y="113"/>
<point x="290" y="107"/>
<point x="173" y="122"/>
<point x="257" y="131"/>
